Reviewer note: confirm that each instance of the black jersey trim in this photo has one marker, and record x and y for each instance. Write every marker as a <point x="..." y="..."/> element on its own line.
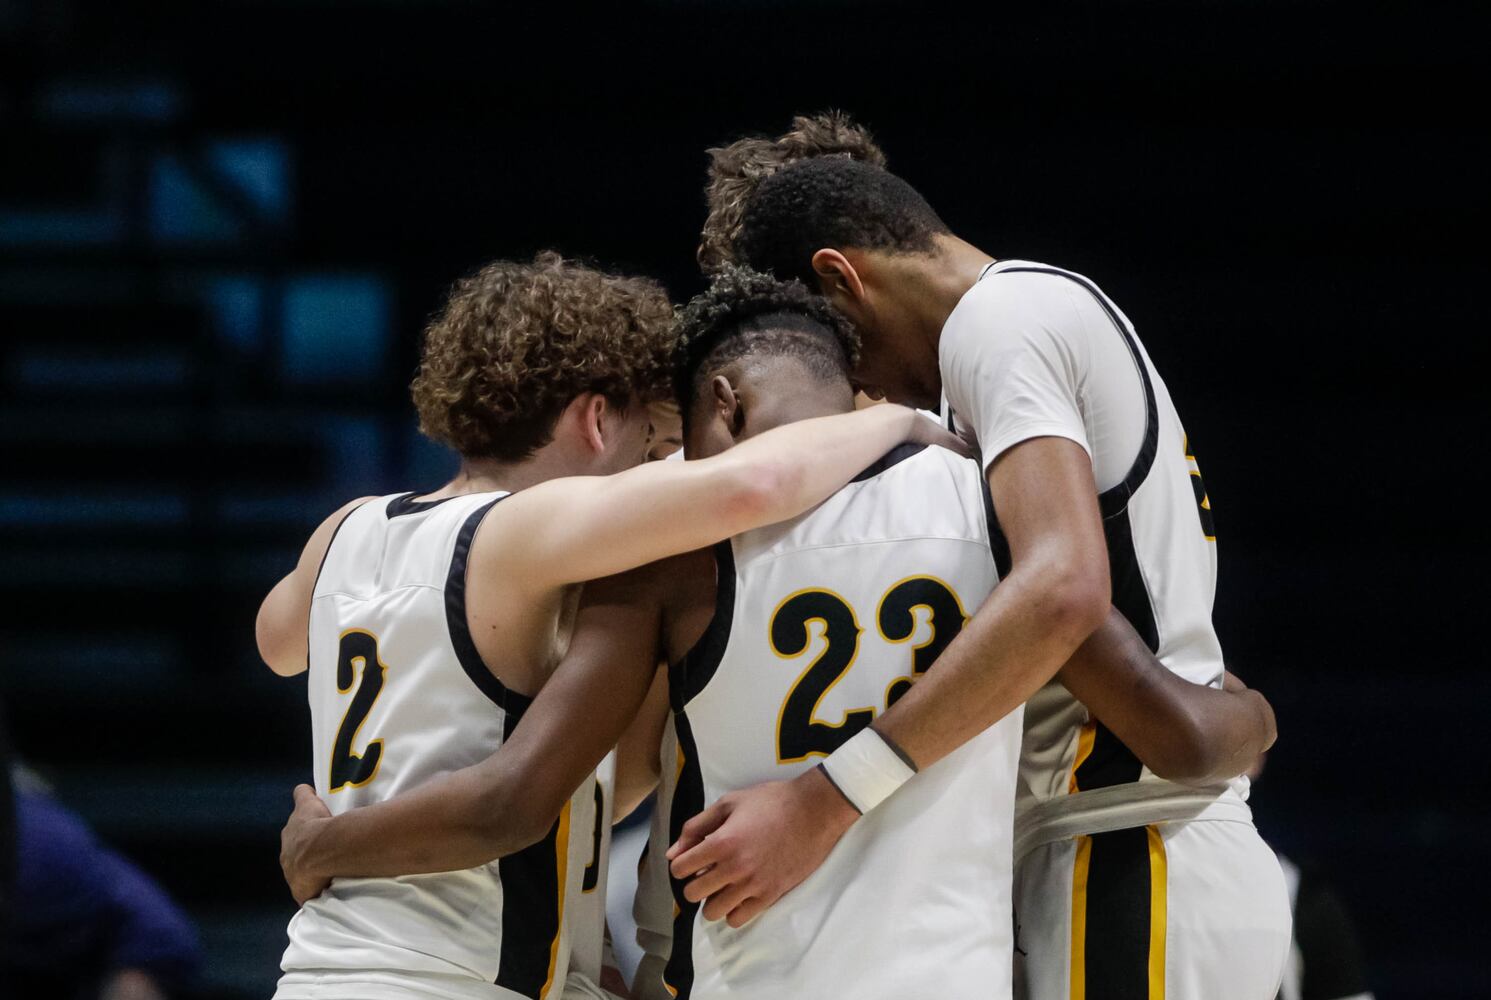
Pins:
<point x="1109" y="763"/>
<point x="1119" y="894"/>
<point x="1130" y="593"/>
<point x="895" y="456"/>
<point x="998" y="544"/>
<point x="406" y="504"/>
<point x="505" y="698"/>
<point x="321" y="566"/>
<point x="688" y="802"/>
<point x="696" y="668"/>
<point x="1115" y="500"/>
<point x="531" y="911"/>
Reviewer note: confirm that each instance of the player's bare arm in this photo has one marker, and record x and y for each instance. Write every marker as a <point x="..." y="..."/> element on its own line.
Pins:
<point x="581" y="528"/>
<point x="1055" y="596"/>
<point x="284" y="618"/>
<point x="638" y="752"/>
<point x="508" y="801"/>
<point x="1181" y="731"/>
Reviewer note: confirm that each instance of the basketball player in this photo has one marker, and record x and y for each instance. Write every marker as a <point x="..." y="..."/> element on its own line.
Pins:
<point x="1127" y="884"/>
<point x="428" y="621"/>
<point x="762" y="354"/>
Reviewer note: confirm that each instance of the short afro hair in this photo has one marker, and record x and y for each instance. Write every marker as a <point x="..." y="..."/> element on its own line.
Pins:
<point x="832" y="202"/>
<point x="735" y="171"/>
<point x="517" y="342"/>
<point x="744" y="312"/>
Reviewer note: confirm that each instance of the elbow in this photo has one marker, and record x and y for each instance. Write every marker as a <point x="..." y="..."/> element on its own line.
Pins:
<point x="1187" y="755"/>
<point x="1076" y="603"/>
<point x="506" y="824"/>
<point x="1270" y="723"/>
<point x="1194" y="754"/>
<point x="276" y="654"/>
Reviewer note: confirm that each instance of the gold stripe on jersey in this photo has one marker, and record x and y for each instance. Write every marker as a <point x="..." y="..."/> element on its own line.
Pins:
<point x="1158" y="886"/>
<point x="1085" y="739"/>
<point x="1079" y="918"/>
<point x="561" y="874"/>
<point x="1194" y="468"/>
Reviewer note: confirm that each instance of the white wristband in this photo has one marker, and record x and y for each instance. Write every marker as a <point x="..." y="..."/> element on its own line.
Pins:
<point x="867" y="770"/>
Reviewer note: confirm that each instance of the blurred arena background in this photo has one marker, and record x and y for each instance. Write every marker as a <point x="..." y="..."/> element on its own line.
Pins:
<point x="221" y="228"/>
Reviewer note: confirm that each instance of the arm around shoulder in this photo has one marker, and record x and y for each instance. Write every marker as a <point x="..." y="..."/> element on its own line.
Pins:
<point x="582" y="528"/>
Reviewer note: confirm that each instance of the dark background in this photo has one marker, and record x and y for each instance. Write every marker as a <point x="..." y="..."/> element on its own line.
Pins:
<point x="219" y="237"/>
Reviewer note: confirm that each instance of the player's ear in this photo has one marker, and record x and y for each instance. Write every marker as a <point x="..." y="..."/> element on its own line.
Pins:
<point x="728" y="405"/>
<point x="591" y="409"/>
<point x="837" y="279"/>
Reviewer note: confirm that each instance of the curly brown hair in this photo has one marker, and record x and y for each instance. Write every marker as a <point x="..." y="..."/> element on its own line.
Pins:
<point x="736" y="169"/>
<point x="517" y="342"/>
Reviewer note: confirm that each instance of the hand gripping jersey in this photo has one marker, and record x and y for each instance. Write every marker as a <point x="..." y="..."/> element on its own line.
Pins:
<point x="399" y="695"/>
<point x="1033" y="351"/>
<point x="820" y="624"/>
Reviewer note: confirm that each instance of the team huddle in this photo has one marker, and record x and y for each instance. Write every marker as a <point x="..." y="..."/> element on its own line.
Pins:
<point x="928" y="706"/>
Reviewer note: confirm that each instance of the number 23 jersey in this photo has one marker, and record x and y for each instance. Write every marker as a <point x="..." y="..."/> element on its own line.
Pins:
<point x="820" y="624"/>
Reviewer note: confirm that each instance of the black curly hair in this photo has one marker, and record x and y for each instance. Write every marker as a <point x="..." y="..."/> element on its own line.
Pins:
<point x="745" y="312"/>
<point x="831" y="202"/>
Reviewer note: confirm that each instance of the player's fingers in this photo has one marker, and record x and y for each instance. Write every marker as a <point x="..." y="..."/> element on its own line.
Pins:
<point x="303" y="792"/>
<point x="710" y="881"/>
<point x="725" y="900"/>
<point x="746" y="911"/>
<point x="699" y="827"/>
<point x="697" y="858"/>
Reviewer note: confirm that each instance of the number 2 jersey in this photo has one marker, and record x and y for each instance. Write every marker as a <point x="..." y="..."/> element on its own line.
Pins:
<point x="820" y="624"/>
<point x="399" y="695"/>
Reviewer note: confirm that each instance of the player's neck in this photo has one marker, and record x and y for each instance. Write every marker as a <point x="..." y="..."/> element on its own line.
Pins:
<point x="942" y="279"/>
<point x="489" y="475"/>
<point x="787" y="409"/>
<point x="786" y="394"/>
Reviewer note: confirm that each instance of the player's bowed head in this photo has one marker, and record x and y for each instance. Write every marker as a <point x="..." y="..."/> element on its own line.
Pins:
<point x="755" y="353"/>
<point x="880" y="254"/>
<point x="735" y="170"/>
<point x="548" y="352"/>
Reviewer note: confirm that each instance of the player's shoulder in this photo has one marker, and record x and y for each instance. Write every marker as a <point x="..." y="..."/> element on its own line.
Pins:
<point x="1025" y="307"/>
<point x="335" y="518"/>
<point x="1017" y="289"/>
<point x="921" y="477"/>
<point x="321" y="538"/>
<point x="914" y="461"/>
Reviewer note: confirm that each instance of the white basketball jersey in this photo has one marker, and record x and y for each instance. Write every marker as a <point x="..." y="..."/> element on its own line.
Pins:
<point x="820" y="624"/>
<point x="399" y="695"/>
<point x="586" y="913"/>
<point x="653" y="907"/>
<point x="1028" y="331"/>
